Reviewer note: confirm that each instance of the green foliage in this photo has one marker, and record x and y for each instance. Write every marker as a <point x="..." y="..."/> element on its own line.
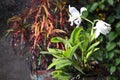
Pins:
<point x="81" y="48"/>
<point x="79" y="40"/>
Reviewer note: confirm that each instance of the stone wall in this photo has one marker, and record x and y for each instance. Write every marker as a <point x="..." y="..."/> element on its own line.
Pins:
<point x="12" y="67"/>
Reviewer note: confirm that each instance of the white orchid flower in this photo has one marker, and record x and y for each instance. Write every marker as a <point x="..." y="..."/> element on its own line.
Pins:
<point x="75" y="15"/>
<point x="102" y="27"/>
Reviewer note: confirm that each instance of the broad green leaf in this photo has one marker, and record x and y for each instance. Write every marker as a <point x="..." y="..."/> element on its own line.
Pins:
<point x="117" y="61"/>
<point x="118" y="43"/>
<point x="117" y="51"/>
<point x="93" y="6"/>
<point x="112" y="36"/>
<point x="111" y="2"/>
<point x="93" y="46"/>
<point x="111" y="55"/>
<point x="102" y="6"/>
<point x="112" y="69"/>
<point x="110" y="46"/>
<point x="85" y="42"/>
<point x="111" y="19"/>
<point x="85" y="13"/>
<point x="59" y="39"/>
<point x="59" y="63"/>
<point x="75" y="35"/>
<point x="118" y="26"/>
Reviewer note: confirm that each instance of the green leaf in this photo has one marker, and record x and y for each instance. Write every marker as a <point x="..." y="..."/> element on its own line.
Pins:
<point x="93" y="46"/>
<point x="111" y="55"/>
<point x="112" y="36"/>
<point x="111" y="2"/>
<point x="92" y="37"/>
<point x="59" y="39"/>
<point x="93" y="7"/>
<point x="59" y="63"/>
<point x="110" y="46"/>
<point x="39" y="60"/>
<point x="112" y="69"/>
<point x="102" y="6"/>
<point x="74" y="38"/>
<point x="111" y="19"/>
<point x="85" y="14"/>
<point x="117" y="61"/>
<point x="55" y="52"/>
<point x="90" y="53"/>
<point x="61" y="75"/>
<point x="70" y="52"/>
<point x="118" y="43"/>
<point x="63" y="63"/>
<point x="117" y="51"/>
<point x="85" y="42"/>
<point x="78" y="68"/>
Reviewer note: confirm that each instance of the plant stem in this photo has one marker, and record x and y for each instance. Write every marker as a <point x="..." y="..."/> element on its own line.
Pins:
<point x="87" y="19"/>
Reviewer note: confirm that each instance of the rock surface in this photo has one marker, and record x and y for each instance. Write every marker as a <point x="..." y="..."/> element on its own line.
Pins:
<point x="12" y="67"/>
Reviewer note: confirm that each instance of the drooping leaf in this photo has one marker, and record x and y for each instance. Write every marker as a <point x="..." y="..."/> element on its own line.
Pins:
<point x="59" y="39"/>
<point x="93" y="46"/>
<point x="55" y="52"/>
<point x="90" y="53"/>
<point x="57" y="31"/>
<point x="14" y="19"/>
<point x="59" y="63"/>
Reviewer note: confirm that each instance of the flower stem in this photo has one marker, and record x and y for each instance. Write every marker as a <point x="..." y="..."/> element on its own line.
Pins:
<point x="87" y="19"/>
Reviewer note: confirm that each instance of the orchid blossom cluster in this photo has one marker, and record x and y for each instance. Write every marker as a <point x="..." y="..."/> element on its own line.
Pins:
<point x="75" y="17"/>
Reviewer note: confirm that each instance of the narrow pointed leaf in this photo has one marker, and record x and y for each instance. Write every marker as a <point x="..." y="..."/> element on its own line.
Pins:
<point x="59" y="63"/>
<point x="59" y="39"/>
<point x="93" y="46"/>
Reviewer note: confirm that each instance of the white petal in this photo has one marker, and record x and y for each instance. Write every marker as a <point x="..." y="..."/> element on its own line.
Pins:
<point x="73" y="10"/>
<point x="97" y="33"/>
<point x="71" y="24"/>
<point x="77" y="22"/>
<point x="102" y="27"/>
<point x="74" y="16"/>
<point x="83" y="9"/>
